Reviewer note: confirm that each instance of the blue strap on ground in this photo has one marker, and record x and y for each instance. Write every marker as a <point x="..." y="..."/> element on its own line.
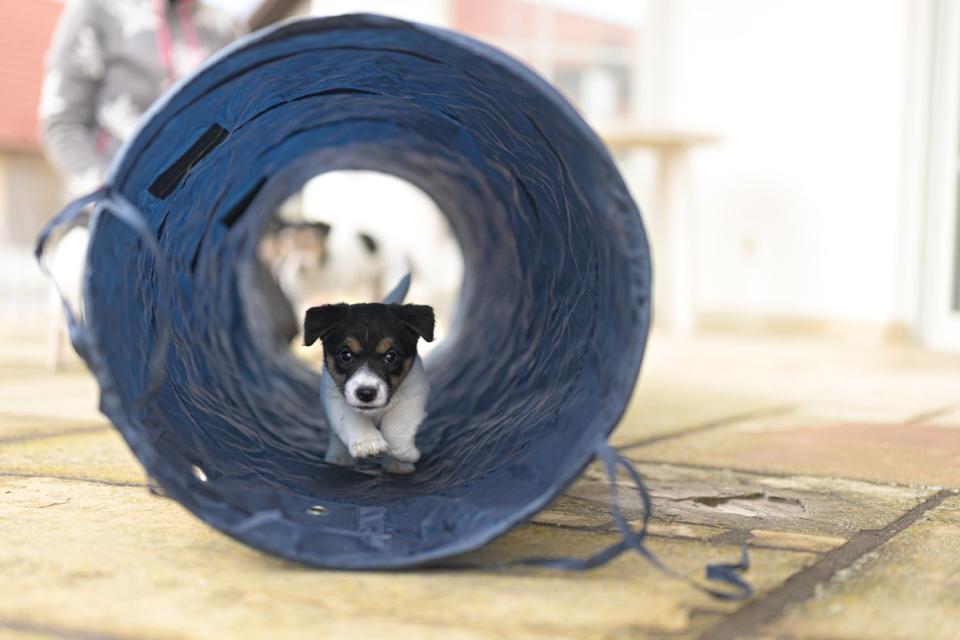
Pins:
<point x="725" y="573"/>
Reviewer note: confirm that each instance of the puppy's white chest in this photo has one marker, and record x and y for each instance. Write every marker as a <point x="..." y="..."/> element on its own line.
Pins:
<point x="391" y="430"/>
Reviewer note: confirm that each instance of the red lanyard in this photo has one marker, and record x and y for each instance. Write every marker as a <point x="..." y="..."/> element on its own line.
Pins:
<point x="165" y="37"/>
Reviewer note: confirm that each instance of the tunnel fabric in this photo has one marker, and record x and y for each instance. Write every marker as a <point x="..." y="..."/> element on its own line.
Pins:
<point x="545" y="349"/>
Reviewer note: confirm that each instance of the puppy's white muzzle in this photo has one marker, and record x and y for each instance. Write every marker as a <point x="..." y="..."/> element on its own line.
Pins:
<point x="365" y="390"/>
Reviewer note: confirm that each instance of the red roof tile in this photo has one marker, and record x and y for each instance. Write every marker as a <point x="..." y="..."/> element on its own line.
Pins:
<point x="25" y="30"/>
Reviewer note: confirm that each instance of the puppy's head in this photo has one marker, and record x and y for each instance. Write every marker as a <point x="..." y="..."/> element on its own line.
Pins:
<point x="368" y="349"/>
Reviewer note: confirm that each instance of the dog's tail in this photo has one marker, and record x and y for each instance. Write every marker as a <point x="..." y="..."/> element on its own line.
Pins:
<point x="399" y="293"/>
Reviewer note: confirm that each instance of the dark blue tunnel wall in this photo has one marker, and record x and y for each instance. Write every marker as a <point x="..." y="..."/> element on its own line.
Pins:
<point x="554" y="312"/>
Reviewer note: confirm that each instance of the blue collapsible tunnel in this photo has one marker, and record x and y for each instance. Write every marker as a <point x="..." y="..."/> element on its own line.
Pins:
<point x="545" y="349"/>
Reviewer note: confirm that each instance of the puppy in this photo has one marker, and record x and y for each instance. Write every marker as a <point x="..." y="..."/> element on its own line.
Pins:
<point x="374" y="388"/>
<point x="314" y="262"/>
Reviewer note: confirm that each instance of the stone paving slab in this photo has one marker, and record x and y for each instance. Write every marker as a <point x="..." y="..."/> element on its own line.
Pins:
<point x="70" y="396"/>
<point x="17" y="632"/>
<point x="23" y="346"/>
<point x="810" y="513"/>
<point x="667" y="399"/>
<point x="908" y="588"/>
<point x="14" y="427"/>
<point x="100" y="559"/>
<point x="864" y="382"/>
<point x="100" y="455"/>
<point x="918" y="454"/>
<point x="28" y="387"/>
<point x="667" y="406"/>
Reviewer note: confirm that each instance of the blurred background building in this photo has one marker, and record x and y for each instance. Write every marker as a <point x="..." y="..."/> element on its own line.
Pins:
<point x="30" y="192"/>
<point x="796" y="161"/>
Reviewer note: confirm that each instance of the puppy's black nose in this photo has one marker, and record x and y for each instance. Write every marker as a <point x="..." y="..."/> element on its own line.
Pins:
<point x="366" y="394"/>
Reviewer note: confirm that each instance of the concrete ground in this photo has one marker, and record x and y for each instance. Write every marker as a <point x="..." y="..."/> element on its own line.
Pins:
<point x="837" y="464"/>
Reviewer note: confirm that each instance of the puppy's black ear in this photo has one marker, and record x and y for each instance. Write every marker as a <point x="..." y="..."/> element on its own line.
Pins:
<point x="418" y="317"/>
<point x="320" y="320"/>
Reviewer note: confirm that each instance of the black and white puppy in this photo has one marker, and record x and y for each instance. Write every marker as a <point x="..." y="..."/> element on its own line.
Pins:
<point x="374" y="388"/>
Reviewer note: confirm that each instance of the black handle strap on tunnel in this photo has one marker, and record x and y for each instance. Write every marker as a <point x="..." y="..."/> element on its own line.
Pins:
<point x="725" y="573"/>
<point x="167" y="182"/>
<point x="109" y="200"/>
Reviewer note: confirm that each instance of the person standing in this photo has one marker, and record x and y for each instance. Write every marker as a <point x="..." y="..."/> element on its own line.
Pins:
<point x="109" y="60"/>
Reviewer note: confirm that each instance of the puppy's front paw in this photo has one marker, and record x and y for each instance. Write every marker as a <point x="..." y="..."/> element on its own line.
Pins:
<point x="410" y="454"/>
<point x="369" y="446"/>
<point x="399" y="467"/>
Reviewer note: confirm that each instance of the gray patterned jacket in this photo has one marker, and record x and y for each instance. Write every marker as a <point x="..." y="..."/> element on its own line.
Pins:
<point x="109" y="60"/>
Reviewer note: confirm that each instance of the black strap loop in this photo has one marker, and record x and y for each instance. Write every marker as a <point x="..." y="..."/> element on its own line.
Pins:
<point x="108" y="199"/>
<point x="727" y="573"/>
<point x="67" y="215"/>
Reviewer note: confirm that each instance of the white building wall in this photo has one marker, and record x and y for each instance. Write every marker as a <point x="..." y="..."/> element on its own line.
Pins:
<point x="797" y="208"/>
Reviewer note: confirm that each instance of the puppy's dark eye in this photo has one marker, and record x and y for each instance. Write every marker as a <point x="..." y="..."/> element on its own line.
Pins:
<point x="345" y="356"/>
<point x="391" y="357"/>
